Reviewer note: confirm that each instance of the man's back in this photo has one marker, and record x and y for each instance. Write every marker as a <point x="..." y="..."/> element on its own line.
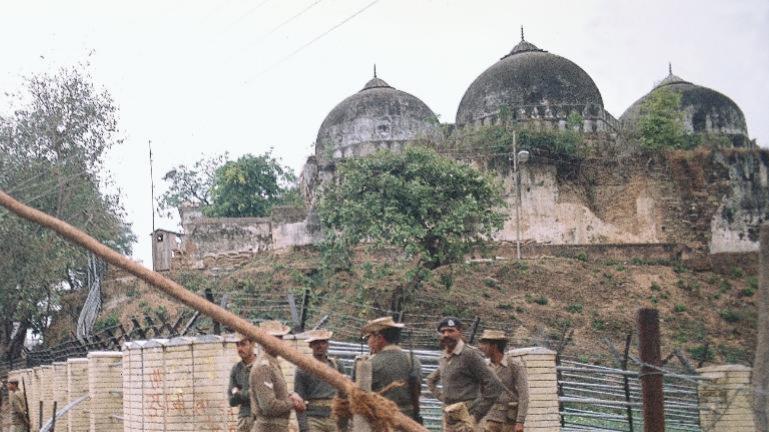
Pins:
<point x="394" y="364"/>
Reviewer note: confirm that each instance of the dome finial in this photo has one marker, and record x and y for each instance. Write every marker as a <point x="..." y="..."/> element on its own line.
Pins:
<point x="374" y="70"/>
<point x="670" y="68"/>
<point x="522" y="34"/>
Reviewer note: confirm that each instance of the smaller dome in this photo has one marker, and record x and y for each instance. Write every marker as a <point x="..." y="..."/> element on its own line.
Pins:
<point x="379" y="116"/>
<point x="704" y="110"/>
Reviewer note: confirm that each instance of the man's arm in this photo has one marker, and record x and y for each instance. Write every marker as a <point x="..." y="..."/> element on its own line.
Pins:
<point x="262" y="385"/>
<point x="522" y="387"/>
<point x="432" y="384"/>
<point x="491" y="388"/>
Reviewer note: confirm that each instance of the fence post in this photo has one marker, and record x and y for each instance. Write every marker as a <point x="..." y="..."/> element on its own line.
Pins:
<point x="363" y="373"/>
<point x="305" y="308"/>
<point x="651" y="376"/>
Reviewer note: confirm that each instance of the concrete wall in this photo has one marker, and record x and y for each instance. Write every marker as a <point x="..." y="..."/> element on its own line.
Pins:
<point x="540" y="365"/>
<point x="726" y="398"/>
<point x="77" y="386"/>
<point x="46" y="391"/>
<point x="105" y="388"/>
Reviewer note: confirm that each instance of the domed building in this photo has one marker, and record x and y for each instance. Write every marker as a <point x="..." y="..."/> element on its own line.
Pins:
<point x="377" y="117"/>
<point x="533" y="84"/>
<point x="705" y="111"/>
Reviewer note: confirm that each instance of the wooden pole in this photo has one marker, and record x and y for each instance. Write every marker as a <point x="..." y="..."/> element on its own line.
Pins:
<point x="363" y="377"/>
<point x="217" y="313"/>
<point x="760" y="379"/>
<point x="651" y="376"/>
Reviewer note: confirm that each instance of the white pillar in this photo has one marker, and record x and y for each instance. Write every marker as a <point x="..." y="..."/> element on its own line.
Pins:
<point x="726" y="398"/>
<point x="543" y="414"/>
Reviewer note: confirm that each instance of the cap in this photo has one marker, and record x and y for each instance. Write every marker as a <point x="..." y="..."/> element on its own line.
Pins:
<point x="275" y="328"/>
<point x="319" y="335"/>
<point x="493" y="335"/>
<point x="450" y="322"/>
<point x="13" y="381"/>
<point x="381" y="324"/>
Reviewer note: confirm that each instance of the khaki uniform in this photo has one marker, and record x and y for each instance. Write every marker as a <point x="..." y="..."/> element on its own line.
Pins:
<point x="18" y="412"/>
<point x="393" y="364"/>
<point x="513" y="403"/>
<point x="239" y="376"/>
<point x="318" y="395"/>
<point x="467" y="379"/>
<point x="270" y="401"/>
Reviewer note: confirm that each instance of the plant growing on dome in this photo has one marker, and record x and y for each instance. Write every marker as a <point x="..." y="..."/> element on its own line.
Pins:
<point x="661" y="123"/>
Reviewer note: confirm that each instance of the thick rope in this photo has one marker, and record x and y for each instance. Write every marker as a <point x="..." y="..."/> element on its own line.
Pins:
<point x="378" y="410"/>
<point x="217" y="313"/>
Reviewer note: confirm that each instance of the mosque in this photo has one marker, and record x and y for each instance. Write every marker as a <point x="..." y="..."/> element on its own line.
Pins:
<point x="532" y="86"/>
<point x="541" y="91"/>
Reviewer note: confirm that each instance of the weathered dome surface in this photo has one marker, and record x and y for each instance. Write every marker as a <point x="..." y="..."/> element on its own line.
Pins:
<point x="705" y="110"/>
<point x="528" y="78"/>
<point x="378" y="116"/>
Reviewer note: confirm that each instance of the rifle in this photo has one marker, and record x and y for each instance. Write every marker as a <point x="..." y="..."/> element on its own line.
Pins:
<point x="26" y="403"/>
<point x="415" y="383"/>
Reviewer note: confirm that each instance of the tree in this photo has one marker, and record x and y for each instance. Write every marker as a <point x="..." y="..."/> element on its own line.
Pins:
<point x="251" y="186"/>
<point x="661" y="122"/>
<point x="52" y="150"/>
<point x="190" y="185"/>
<point x="431" y="207"/>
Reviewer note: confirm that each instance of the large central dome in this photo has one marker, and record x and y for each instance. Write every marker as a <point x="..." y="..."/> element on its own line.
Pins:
<point x="379" y="116"/>
<point x="529" y="80"/>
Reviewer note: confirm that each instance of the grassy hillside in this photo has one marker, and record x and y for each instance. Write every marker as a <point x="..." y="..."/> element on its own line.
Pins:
<point x="537" y="300"/>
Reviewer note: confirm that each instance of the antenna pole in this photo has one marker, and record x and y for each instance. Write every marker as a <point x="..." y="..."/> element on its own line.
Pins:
<point x="152" y="188"/>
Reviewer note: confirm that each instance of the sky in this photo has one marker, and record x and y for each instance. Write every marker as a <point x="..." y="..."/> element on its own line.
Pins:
<point x="244" y="76"/>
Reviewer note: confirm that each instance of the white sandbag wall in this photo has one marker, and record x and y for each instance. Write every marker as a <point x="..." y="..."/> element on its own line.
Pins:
<point x="46" y="391"/>
<point x="60" y="384"/>
<point x="77" y="386"/>
<point x="105" y="387"/>
<point x="34" y="398"/>
<point x="178" y="384"/>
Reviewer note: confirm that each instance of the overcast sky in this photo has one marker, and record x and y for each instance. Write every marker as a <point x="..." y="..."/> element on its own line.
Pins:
<point x="204" y="77"/>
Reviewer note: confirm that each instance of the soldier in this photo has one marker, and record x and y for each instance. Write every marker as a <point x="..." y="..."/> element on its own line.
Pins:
<point x="391" y="364"/>
<point x="469" y="386"/>
<point x="238" y="389"/>
<point x="19" y="416"/>
<point x="316" y="393"/>
<point x="509" y="412"/>
<point x="271" y="403"/>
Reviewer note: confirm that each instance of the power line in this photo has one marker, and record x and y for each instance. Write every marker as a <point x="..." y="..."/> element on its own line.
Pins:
<point x="311" y="41"/>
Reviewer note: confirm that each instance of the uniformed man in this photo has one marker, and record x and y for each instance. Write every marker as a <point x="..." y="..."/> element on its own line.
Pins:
<point x="19" y="416"/>
<point x="391" y="364"/>
<point x="466" y="378"/>
<point x="238" y="388"/>
<point x="271" y="402"/>
<point x="509" y="412"/>
<point x="317" y="394"/>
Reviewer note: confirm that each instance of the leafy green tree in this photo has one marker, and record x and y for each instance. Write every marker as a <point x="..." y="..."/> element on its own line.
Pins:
<point x="190" y="184"/>
<point x="661" y="122"/>
<point x="52" y="151"/>
<point x="431" y="207"/>
<point x="251" y="186"/>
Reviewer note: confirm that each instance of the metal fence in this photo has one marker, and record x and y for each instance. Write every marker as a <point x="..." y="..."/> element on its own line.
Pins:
<point x="601" y="398"/>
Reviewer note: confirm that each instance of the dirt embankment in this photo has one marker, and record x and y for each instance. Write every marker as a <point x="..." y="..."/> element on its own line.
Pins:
<point x="705" y="314"/>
